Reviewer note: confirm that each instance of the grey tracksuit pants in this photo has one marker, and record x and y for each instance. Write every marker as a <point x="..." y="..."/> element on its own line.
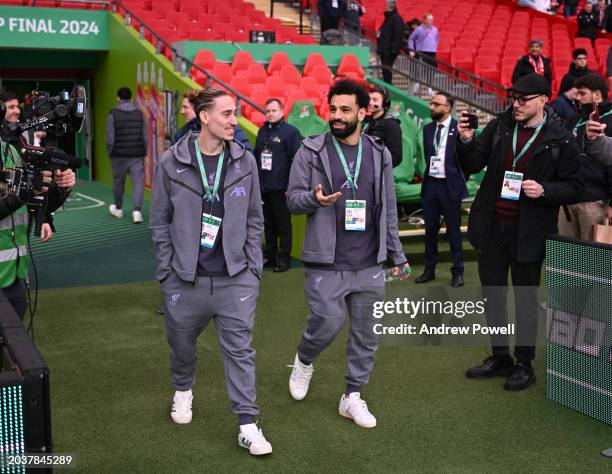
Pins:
<point x="230" y="303"/>
<point x="121" y="167"/>
<point x="329" y="293"/>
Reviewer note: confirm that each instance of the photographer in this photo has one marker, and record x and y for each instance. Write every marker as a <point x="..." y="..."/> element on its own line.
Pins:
<point x="14" y="214"/>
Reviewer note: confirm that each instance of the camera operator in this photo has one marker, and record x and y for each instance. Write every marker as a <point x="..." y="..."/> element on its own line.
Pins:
<point x="14" y="214"/>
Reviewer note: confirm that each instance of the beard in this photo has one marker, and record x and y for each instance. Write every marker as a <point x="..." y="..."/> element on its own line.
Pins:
<point x="436" y="115"/>
<point x="348" y="130"/>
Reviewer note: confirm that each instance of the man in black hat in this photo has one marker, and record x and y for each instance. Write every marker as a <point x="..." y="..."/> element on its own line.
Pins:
<point x="565" y="103"/>
<point x="532" y="168"/>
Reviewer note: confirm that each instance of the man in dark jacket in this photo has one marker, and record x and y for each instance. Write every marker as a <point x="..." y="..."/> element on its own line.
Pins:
<point x="578" y="68"/>
<point x="534" y="62"/>
<point x="276" y="145"/>
<point x="126" y="144"/>
<point x="577" y="220"/>
<point x="382" y="125"/>
<point x="565" y="105"/>
<point x="390" y="38"/>
<point x="330" y="13"/>
<point x="533" y="167"/>
<point x="443" y="189"/>
<point x="587" y="23"/>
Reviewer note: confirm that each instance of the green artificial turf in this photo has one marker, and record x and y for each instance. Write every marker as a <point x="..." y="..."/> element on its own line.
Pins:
<point x="111" y="397"/>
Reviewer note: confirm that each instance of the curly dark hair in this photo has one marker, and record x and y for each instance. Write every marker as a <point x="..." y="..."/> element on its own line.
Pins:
<point x="593" y="82"/>
<point x="350" y="87"/>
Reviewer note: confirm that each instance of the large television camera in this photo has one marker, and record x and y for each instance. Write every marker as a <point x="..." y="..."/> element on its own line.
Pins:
<point x="60" y="115"/>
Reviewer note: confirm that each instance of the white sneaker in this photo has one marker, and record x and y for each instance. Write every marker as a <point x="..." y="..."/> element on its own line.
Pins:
<point x="300" y="379"/>
<point x="181" y="407"/>
<point x="118" y="213"/>
<point x="356" y="409"/>
<point x="251" y="438"/>
<point x="136" y="217"/>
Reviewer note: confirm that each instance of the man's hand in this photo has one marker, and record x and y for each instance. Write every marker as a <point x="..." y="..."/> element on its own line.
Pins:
<point x="326" y="200"/>
<point x="609" y="214"/>
<point x="594" y="130"/>
<point x="412" y="54"/>
<point x="532" y="189"/>
<point x="65" y="179"/>
<point x="46" y="233"/>
<point x="401" y="270"/>
<point x="40" y="134"/>
<point x="47" y="179"/>
<point x="465" y="131"/>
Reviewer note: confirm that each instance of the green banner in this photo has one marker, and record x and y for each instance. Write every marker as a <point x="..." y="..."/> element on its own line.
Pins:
<point x="53" y="28"/>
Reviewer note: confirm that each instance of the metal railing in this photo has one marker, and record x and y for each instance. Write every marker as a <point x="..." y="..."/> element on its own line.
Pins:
<point x="181" y="64"/>
<point x="411" y="73"/>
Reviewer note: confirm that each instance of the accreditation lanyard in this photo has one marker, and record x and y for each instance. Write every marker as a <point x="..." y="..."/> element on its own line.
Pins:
<point x="352" y="180"/>
<point x="582" y="122"/>
<point x="210" y="193"/>
<point x="527" y="145"/>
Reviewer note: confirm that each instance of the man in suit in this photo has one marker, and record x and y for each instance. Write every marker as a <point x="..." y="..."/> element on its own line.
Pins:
<point x="443" y="189"/>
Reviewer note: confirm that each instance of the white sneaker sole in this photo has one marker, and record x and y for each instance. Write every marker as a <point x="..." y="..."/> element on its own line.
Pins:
<point x="294" y="396"/>
<point x="345" y="414"/>
<point x="181" y="421"/>
<point x="253" y="450"/>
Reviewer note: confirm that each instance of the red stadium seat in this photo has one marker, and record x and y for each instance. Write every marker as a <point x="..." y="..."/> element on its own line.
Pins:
<point x="222" y="72"/>
<point x="290" y="76"/>
<point x="205" y="59"/>
<point x="275" y="87"/>
<point x="296" y="95"/>
<point x="241" y="62"/>
<point x="350" y="64"/>
<point x="256" y="75"/>
<point x="314" y="59"/>
<point x="277" y="61"/>
<point x="322" y="75"/>
<point x="241" y="85"/>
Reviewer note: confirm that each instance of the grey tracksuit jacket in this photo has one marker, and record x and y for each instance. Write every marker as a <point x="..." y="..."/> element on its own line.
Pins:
<point x="311" y="168"/>
<point x="176" y="212"/>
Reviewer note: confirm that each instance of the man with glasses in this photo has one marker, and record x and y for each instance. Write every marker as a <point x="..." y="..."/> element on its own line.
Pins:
<point x="443" y="189"/>
<point x="578" y="68"/>
<point x="532" y="167"/>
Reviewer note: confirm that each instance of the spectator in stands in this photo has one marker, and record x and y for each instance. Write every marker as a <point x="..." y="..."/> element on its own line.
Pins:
<point x="126" y="144"/>
<point x="540" y="5"/>
<point x="577" y="220"/>
<point x="424" y="40"/>
<point x="276" y="145"/>
<point x="609" y="63"/>
<point x="443" y="189"/>
<point x="578" y="68"/>
<point x="408" y="30"/>
<point x="534" y="62"/>
<point x="508" y="224"/>
<point x="565" y="103"/>
<point x="587" y="23"/>
<point x="570" y="8"/>
<point x="379" y="123"/>
<point x="330" y="12"/>
<point x="192" y="124"/>
<point x="389" y="43"/>
<point x="352" y="11"/>
<point x="602" y="10"/>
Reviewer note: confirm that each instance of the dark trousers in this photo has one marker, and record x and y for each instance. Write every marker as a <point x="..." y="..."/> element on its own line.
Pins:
<point x="569" y="10"/>
<point x="436" y="202"/>
<point x="429" y="58"/>
<point x="493" y="265"/>
<point x="387" y="60"/>
<point x="277" y="222"/>
<point x="329" y="23"/>
<point x="17" y="296"/>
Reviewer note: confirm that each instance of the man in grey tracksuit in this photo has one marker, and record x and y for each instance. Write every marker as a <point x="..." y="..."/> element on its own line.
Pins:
<point x="204" y="278"/>
<point x="344" y="262"/>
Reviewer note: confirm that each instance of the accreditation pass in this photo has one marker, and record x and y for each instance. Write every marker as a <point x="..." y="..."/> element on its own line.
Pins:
<point x="210" y="229"/>
<point x="355" y="214"/>
<point x="19" y="461"/>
